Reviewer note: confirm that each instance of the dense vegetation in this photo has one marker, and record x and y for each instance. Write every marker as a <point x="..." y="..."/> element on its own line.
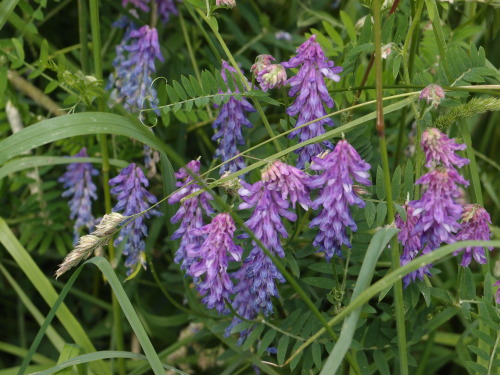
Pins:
<point x="239" y="187"/>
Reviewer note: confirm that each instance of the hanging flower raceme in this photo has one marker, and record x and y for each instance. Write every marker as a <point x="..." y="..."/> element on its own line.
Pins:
<point x="269" y="199"/>
<point x="134" y="64"/>
<point x="340" y="168"/>
<point x="129" y="189"/>
<point x="211" y="260"/>
<point x="79" y="186"/>
<point x="228" y="127"/>
<point x="190" y="213"/>
<point x="475" y="220"/>
<point x="167" y="8"/>
<point x="440" y="150"/>
<point x="412" y="245"/>
<point x="312" y="94"/>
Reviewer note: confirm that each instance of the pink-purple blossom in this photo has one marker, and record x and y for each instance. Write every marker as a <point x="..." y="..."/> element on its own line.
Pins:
<point x="311" y="95"/>
<point x="190" y="214"/>
<point x="271" y="76"/>
<point x="211" y="260"/>
<point x="440" y="150"/>
<point x="340" y="168"/>
<point x="475" y="220"/>
<point x="433" y="94"/>
<point x="129" y="189"/>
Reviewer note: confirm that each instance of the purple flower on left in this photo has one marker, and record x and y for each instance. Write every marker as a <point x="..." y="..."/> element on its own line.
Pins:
<point x="79" y="186"/>
<point x="129" y="189"/>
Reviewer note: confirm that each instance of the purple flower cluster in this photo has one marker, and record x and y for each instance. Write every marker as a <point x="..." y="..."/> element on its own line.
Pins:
<point x="165" y="8"/>
<point x="129" y="189"/>
<point x="134" y="64"/>
<point x="79" y="186"/>
<point x="312" y="94"/>
<point x="190" y="214"/>
<point x="475" y="220"/>
<point x="228" y="127"/>
<point x="440" y="150"/>
<point x="211" y="260"/>
<point x="340" y="168"/>
<point x="268" y="75"/>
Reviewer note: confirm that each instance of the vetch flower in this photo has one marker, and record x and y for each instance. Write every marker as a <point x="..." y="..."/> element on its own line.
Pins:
<point x="271" y="76"/>
<point x="129" y="189"/>
<point x="261" y="62"/>
<point x="166" y="8"/>
<point x="79" y="186"/>
<point x="283" y="35"/>
<point x="340" y="168"/>
<point x="440" y="150"/>
<point x="437" y="207"/>
<point x="412" y="246"/>
<point x="475" y="220"/>
<point x="139" y="4"/>
<point x="190" y="213"/>
<point x="228" y="127"/>
<point x="432" y="94"/>
<point x="386" y="50"/>
<point x="312" y="94"/>
<point x="212" y="261"/>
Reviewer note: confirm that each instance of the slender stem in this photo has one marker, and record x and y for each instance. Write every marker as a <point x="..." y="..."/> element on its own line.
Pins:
<point x="398" y="287"/>
<point x="243" y="79"/>
<point x="83" y="32"/>
<point x="103" y="141"/>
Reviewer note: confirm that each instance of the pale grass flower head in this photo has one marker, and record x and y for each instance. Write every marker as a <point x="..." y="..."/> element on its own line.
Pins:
<point x="108" y="224"/>
<point x="82" y="250"/>
<point x="225" y="3"/>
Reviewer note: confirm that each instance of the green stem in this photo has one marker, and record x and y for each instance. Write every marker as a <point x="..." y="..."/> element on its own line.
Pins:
<point x="83" y="32"/>
<point x="103" y="141"/>
<point x="211" y="23"/>
<point x="398" y="286"/>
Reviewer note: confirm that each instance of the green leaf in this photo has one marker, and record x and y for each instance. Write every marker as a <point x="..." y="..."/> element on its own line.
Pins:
<point x="479" y="352"/>
<point x="409" y="181"/>
<point x="282" y="347"/>
<point x="468" y="286"/>
<point x="188" y="87"/>
<point x="19" y="48"/>
<point x="396" y="184"/>
<point x="205" y="82"/>
<point x="370" y="212"/>
<point x="380" y="187"/>
<point x="332" y="33"/>
<point x="51" y="87"/>
<point x="316" y="354"/>
<point x="6" y="8"/>
<point x="477" y="368"/>
<point x="197" y="87"/>
<point x="69" y="351"/>
<point x="377" y="245"/>
<point x="381" y="362"/>
<point x="349" y="26"/>
<point x="253" y="336"/>
<point x="44" y="52"/>
<point x="172" y="95"/>
<point x="381" y="213"/>
<point x="179" y="90"/>
<point x="320" y="282"/>
<point x="266" y="341"/>
<point x="387" y="28"/>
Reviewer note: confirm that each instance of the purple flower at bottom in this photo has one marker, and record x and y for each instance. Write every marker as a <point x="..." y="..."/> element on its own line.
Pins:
<point x="129" y="188"/>
<point x="310" y="88"/>
<point x="411" y="245"/>
<point x="212" y="261"/>
<point x="79" y="186"/>
<point x="437" y="207"/>
<point x="190" y="214"/>
<point x="340" y="168"/>
<point x="475" y="221"/>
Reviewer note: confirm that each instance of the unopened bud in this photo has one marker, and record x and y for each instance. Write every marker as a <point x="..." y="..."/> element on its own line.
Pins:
<point x="272" y="76"/>
<point x="432" y="94"/>
<point x="261" y="62"/>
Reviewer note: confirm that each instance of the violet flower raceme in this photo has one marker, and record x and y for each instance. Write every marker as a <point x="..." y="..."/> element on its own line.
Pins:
<point x="212" y="260"/>
<point x="129" y="189"/>
<point x="340" y="168"/>
<point x="475" y="220"/>
<point x="190" y="214"/>
<point x="437" y="207"/>
<point x="166" y="8"/>
<point x="269" y="200"/>
<point x="79" y="186"/>
<point x="139" y="4"/>
<point x="411" y="245"/>
<point x="310" y="88"/>
<point x="228" y="127"/>
<point x="440" y="150"/>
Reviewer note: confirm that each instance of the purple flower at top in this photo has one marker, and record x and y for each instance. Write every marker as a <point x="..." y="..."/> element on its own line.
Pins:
<point x="79" y="186"/>
<point x="212" y="260"/>
<point x="228" y="127"/>
<point x="432" y="94"/>
<point x="437" y="207"/>
<point x="340" y="168"/>
<point x="166" y="8"/>
<point x="312" y="94"/>
<point x="475" y="220"/>
<point x="190" y="214"/>
<point x="411" y="245"/>
<point x="139" y="4"/>
<point x="271" y="76"/>
<point x="440" y="150"/>
<point x="129" y="189"/>
<point x="134" y="65"/>
<point x="261" y="62"/>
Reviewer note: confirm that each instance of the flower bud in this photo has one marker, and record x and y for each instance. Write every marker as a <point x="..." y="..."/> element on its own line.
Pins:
<point x="432" y="94"/>
<point x="272" y="76"/>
